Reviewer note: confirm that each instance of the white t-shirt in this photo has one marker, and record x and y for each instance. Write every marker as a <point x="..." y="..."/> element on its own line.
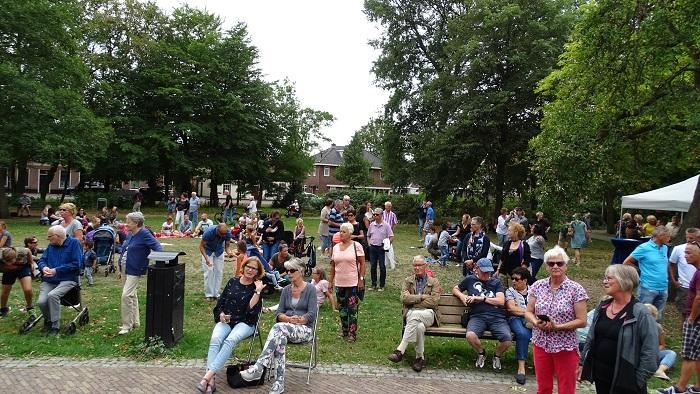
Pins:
<point x="501" y="227"/>
<point x="252" y="206"/>
<point x="685" y="270"/>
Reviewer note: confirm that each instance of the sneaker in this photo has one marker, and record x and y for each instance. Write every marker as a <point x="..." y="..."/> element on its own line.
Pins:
<point x="277" y="387"/>
<point x="661" y="375"/>
<point x="496" y="362"/>
<point x="4" y="311"/>
<point x="52" y="332"/>
<point x="520" y="378"/>
<point x="671" y="390"/>
<point x="692" y="390"/>
<point x="254" y="372"/>
<point x="480" y="360"/>
<point x="373" y="288"/>
<point x="396" y="356"/>
<point x="29" y="309"/>
<point x="381" y="289"/>
<point x="124" y="331"/>
<point x="278" y="287"/>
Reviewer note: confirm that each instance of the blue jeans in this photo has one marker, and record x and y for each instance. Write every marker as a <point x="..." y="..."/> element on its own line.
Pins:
<point x="522" y="336"/>
<point x="501" y="239"/>
<point x="667" y="357"/>
<point x="274" y="277"/>
<point x="535" y="264"/>
<point x="269" y="250"/>
<point x="194" y="217"/>
<point x="445" y="250"/>
<point x="223" y="340"/>
<point x="325" y="242"/>
<point x="421" y="223"/>
<point x="654" y="297"/>
<point x="376" y="256"/>
<point x="228" y="215"/>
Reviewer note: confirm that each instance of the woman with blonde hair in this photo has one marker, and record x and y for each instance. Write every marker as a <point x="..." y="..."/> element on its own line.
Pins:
<point x="67" y="212"/>
<point x="235" y="314"/>
<point x="516" y="253"/>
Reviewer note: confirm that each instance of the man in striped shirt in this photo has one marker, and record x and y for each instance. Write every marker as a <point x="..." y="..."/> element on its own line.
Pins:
<point x="335" y="219"/>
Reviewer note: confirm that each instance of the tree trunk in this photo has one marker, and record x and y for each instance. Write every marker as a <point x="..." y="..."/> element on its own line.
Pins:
<point x="22" y="174"/>
<point x="213" y="194"/>
<point x="610" y="211"/>
<point x="238" y="193"/>
<point x="4" y="204"/>
<point x="690" y="219"/>
<point x="47" y="181"/>
<point x="498" y="188"/>
<point x="65" y="186"/>
<point x="108" y="184"/>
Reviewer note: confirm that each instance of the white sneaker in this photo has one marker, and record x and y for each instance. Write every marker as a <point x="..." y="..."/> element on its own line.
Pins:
<point x="124" y="331"/>
<point x="496" y="362"/>
<point x="277" y="387"/>
<point x="254" y="372"/>
<point x="480" y="360"/>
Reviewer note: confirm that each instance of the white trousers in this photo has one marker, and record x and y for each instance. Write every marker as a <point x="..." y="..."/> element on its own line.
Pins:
<point x="213" y="275"/>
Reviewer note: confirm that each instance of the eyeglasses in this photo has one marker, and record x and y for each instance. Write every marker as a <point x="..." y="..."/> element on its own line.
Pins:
<point x="351" y="214"/>
<point x="292" y="270"/>
<point x="516" y="279"/>
<point x="33" y="242"/>
<point x="557" y="263"/>
<point x="376" y="214"/>
<point x="250" y="267"/>
<point x="62" y="209"/>
<point x="608" y="278"/>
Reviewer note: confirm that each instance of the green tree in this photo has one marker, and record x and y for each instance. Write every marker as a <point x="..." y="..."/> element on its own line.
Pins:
<point x="355" y="169"/>
<point x="624" y="104"/>
<point x="462" y="77"/>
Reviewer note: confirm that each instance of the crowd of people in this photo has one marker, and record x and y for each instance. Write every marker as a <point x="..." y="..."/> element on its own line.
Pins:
<point x="618" y="345"/>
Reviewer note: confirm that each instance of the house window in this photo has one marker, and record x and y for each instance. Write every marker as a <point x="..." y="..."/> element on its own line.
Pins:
<point x="326" y="171"/>
<point x="304" y="189"/>
<point x="313" y="171"/>
<point x="380" y="175"/>
<point x="227" y="187"/>
<point x="7" y="179"/>
<point x="64" y="179"/>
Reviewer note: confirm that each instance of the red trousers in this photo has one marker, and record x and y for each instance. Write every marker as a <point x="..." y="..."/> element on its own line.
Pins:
<point x="562" y="364"/>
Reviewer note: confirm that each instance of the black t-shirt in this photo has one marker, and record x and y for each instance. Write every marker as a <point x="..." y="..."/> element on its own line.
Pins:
<point x="182" y="205"/>
<point x="471" y="285"/>
<point x="605" y="346"/>
<point x="277" y="233"/>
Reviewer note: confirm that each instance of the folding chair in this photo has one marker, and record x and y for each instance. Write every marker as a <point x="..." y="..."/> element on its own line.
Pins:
<point x="313" y="351"/>
<point x="256" y="333"/>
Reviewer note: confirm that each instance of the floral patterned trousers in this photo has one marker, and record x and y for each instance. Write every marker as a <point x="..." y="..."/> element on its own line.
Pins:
<point x="348" y="303"/>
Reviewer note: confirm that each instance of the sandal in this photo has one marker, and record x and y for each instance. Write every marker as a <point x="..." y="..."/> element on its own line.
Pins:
<point x="203" y="385"/>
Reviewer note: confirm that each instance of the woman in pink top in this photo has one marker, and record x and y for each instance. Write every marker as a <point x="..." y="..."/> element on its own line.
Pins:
<point x="556" y="307"/>
<point x="347" y="274"/>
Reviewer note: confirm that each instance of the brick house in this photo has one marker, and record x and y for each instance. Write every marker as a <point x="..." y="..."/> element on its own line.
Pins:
<point x="37" y="171"/>
<point x="321" y="178"/>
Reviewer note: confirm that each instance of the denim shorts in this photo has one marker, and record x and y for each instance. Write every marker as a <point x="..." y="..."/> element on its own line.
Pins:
<point x="497" y="325"/>
<point x="325" y="242"/>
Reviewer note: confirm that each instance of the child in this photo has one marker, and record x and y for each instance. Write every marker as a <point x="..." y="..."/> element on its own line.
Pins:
<point x="89" y="260"/>
<point x="322" y="286"/>
<point x="444" y="245"/>
<point x="241" y="258"/>
<point x="667" y="357"/>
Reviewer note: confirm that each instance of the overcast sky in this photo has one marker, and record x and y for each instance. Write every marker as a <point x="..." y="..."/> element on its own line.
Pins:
<point x="320" y="45"/>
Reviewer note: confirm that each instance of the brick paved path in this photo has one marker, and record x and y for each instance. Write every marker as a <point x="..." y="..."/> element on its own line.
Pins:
<point x="59" y="375"/>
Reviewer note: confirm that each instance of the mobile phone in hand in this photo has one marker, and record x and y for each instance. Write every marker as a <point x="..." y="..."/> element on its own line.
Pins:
<point x="543" y="317"/>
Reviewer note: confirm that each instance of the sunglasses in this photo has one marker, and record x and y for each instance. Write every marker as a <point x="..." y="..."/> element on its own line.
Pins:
<point x="292" y="270"/>
<point x="62" y="209"/>
<point x="516" y="279"/>
<point x="557" y="263"/>
<point x="250" y="267"/>
<point x="376" y="214"/>
<point x="351" y="214"/>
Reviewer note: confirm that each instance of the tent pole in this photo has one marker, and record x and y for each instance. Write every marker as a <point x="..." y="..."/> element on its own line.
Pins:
<point x="619" y="230"/>
<point x="681" y="217"/>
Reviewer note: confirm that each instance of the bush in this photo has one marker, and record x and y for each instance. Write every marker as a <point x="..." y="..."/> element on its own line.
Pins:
<point x="88" y="199"/>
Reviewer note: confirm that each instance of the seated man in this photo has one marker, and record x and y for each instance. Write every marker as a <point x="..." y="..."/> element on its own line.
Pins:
<point x="278" y="259"/>
<point x="420" y="296"/>
<point x="202" y="226"/>
<point x="25" y="206"/>
<point x="60" y="266"/>
<point x="486" y="297"/>
<point x="185" y="228"/>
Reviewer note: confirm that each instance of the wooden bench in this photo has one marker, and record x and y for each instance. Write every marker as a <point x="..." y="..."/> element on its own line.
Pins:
<point x="451" y="309"/>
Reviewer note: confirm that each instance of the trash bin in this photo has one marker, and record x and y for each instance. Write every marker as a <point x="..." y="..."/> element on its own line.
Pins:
<point x="165" y="297"/>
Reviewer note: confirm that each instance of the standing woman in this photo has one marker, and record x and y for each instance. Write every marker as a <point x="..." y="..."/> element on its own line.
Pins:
<point x="622" y="347"/>
<point x="463" y="230"/>
<point x="357" y="234"/>
<point x="347" y="274"/>
<point x="536" y="244"/>
<point x="516" y="253"/>
<point x="67" y="213"/>
<point x="296" y="314"/>
<point x="556" y="307"/>
<point x="578" y="239"/>
<point x="135" y="250"/>
<point x="502" y="227"/>
<point x="235" y="315"/>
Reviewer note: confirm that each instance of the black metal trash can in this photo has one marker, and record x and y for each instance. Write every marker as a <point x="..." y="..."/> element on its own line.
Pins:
<point x="165" y="297"/>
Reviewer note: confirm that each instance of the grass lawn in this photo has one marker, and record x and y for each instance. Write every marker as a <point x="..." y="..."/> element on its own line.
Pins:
<point x="379" y="322"/>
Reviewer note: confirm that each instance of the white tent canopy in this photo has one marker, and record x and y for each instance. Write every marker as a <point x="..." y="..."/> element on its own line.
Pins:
<point x="676" y="197"/>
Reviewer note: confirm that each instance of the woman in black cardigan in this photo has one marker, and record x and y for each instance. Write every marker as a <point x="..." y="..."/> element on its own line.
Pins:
<point x="516" y="253"/>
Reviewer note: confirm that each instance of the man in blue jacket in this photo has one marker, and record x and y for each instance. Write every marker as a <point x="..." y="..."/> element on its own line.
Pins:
<point x="59" y="266"/>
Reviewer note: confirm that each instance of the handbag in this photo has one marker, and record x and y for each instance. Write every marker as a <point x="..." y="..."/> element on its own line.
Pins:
<point x="360" y="293"/>
<point x="464" y="321"/>
<point x="235" y="380"/>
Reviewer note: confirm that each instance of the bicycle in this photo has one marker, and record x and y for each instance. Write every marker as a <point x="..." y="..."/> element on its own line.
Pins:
<point x="219" y="217"/>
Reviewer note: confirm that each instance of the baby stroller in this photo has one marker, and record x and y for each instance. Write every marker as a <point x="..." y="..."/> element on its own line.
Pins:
<point x="72" y="300"/>
<point x="311" y="254"/>
<point x="252" y="251"/>
<point x="104" y="240"/>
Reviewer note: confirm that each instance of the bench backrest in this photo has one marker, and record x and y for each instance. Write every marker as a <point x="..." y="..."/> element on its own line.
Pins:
<point x="451" y="309"/>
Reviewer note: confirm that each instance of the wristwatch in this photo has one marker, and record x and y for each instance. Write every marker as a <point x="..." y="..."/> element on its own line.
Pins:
<point x="257" y="292"/>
